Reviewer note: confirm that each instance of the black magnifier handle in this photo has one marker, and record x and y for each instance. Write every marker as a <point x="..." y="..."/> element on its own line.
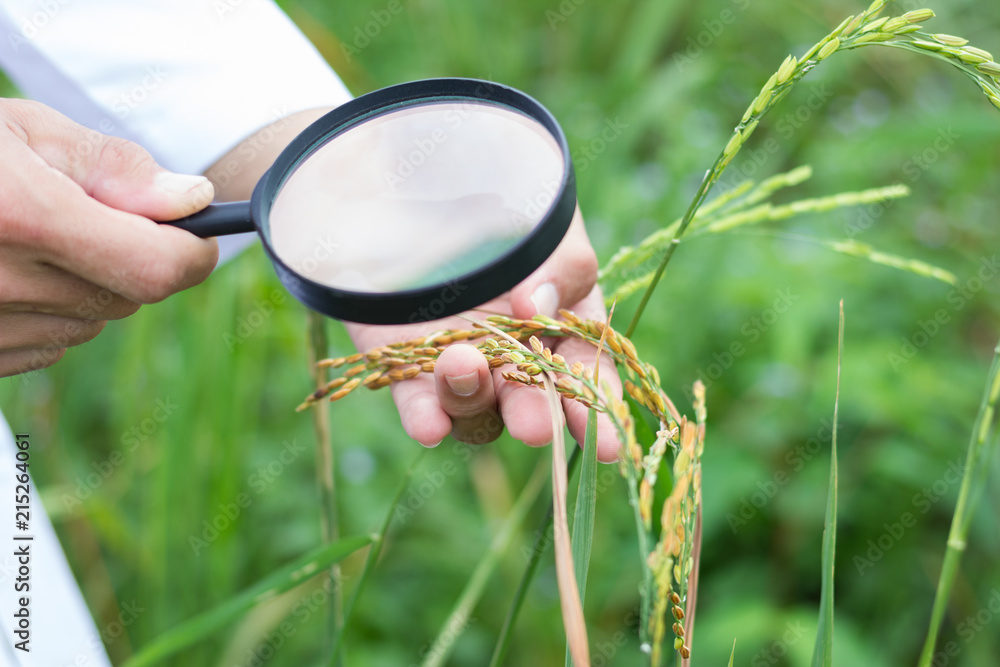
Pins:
<point x="217" y="220"/>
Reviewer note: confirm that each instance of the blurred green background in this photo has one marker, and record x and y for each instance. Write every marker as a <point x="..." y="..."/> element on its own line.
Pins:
<point x="674" y="77"/>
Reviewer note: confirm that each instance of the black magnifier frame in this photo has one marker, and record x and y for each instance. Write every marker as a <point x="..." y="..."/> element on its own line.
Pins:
<point x="462" y="293"/>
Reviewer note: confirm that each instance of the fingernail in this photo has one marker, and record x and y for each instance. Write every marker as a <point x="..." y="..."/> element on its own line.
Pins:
<point x="463" y="385"/>
<point x="178" y="184"/>
<point x="546" y="300"/>
<point x="434" y="445"/>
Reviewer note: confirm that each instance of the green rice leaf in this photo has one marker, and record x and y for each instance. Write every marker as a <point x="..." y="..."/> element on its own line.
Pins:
<point x="201" y="626"/>
<point x="583" y="517"/>
<point x="823" y="651"/>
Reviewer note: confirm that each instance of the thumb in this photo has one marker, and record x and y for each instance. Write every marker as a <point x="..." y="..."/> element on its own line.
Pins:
<point x="562" y="280"/>
<point x="114" y="171"/>
<point x="126" y="177"/>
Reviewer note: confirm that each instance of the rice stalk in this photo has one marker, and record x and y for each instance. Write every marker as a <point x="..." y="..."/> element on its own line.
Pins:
<point x="318" y="347"/>
<point x="373" y="554"/>
<point x="632" y="269"/>
<point x="538" y="548"/>
<point x="569" y="592"/>
<point x="977" y="462"/>
<point x="668" y="561"/>
<point x="854" y="32"/>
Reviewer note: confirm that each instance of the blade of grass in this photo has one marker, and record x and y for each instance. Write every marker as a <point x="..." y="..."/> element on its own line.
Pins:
<point x="583" y="516"/>
<point x="374" y="553"/>
<point x="539" y="547"/>
<point x="823" y="651"/>
<point x="473" y="591"/>
<point x="732" y="654"/>
<point x="976" y="465"/>
<point x="569" y="594"/>
<point x="204" y="624"/>
<point x="691" y="605"/>
<point x="318" y="346"/>
<point x="586" y="494"/>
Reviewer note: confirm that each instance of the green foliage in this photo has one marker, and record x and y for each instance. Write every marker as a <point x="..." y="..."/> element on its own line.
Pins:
<point x="662" y="81"/>
<point x="205" y="625"/>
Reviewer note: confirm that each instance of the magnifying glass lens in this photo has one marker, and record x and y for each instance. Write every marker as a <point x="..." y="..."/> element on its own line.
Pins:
<point x="415" y="196"/>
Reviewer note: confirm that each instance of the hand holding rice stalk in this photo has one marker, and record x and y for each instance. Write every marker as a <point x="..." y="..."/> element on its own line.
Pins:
<point x="668" y="564"/>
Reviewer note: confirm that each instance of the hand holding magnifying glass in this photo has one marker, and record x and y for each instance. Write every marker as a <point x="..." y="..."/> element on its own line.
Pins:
<point x="420" y="201"/>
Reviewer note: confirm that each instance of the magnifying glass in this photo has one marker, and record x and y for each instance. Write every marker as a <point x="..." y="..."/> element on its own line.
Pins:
<point x="410" y="203"/>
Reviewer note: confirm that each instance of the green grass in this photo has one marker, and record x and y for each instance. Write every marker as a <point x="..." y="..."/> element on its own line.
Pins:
<point x="901" y="426"/>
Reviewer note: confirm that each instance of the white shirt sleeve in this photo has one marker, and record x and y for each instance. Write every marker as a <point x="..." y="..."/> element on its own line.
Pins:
<point x="186" y="79"/>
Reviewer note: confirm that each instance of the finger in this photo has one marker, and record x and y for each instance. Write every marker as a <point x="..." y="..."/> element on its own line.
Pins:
<point x="420" y="412"/>
<point x="128" y="254"/>
<point x="116" y="172"/>
<point x="32" y="330"/>
<point x="525" y="410"/>
<point x="608" y="443"/>
<point x="574" y="350"/>
<point x="565" y="278"/>
<point x="49" y="290"/>
<point x="465" y="391"/>
<point x="16" y="362"/>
